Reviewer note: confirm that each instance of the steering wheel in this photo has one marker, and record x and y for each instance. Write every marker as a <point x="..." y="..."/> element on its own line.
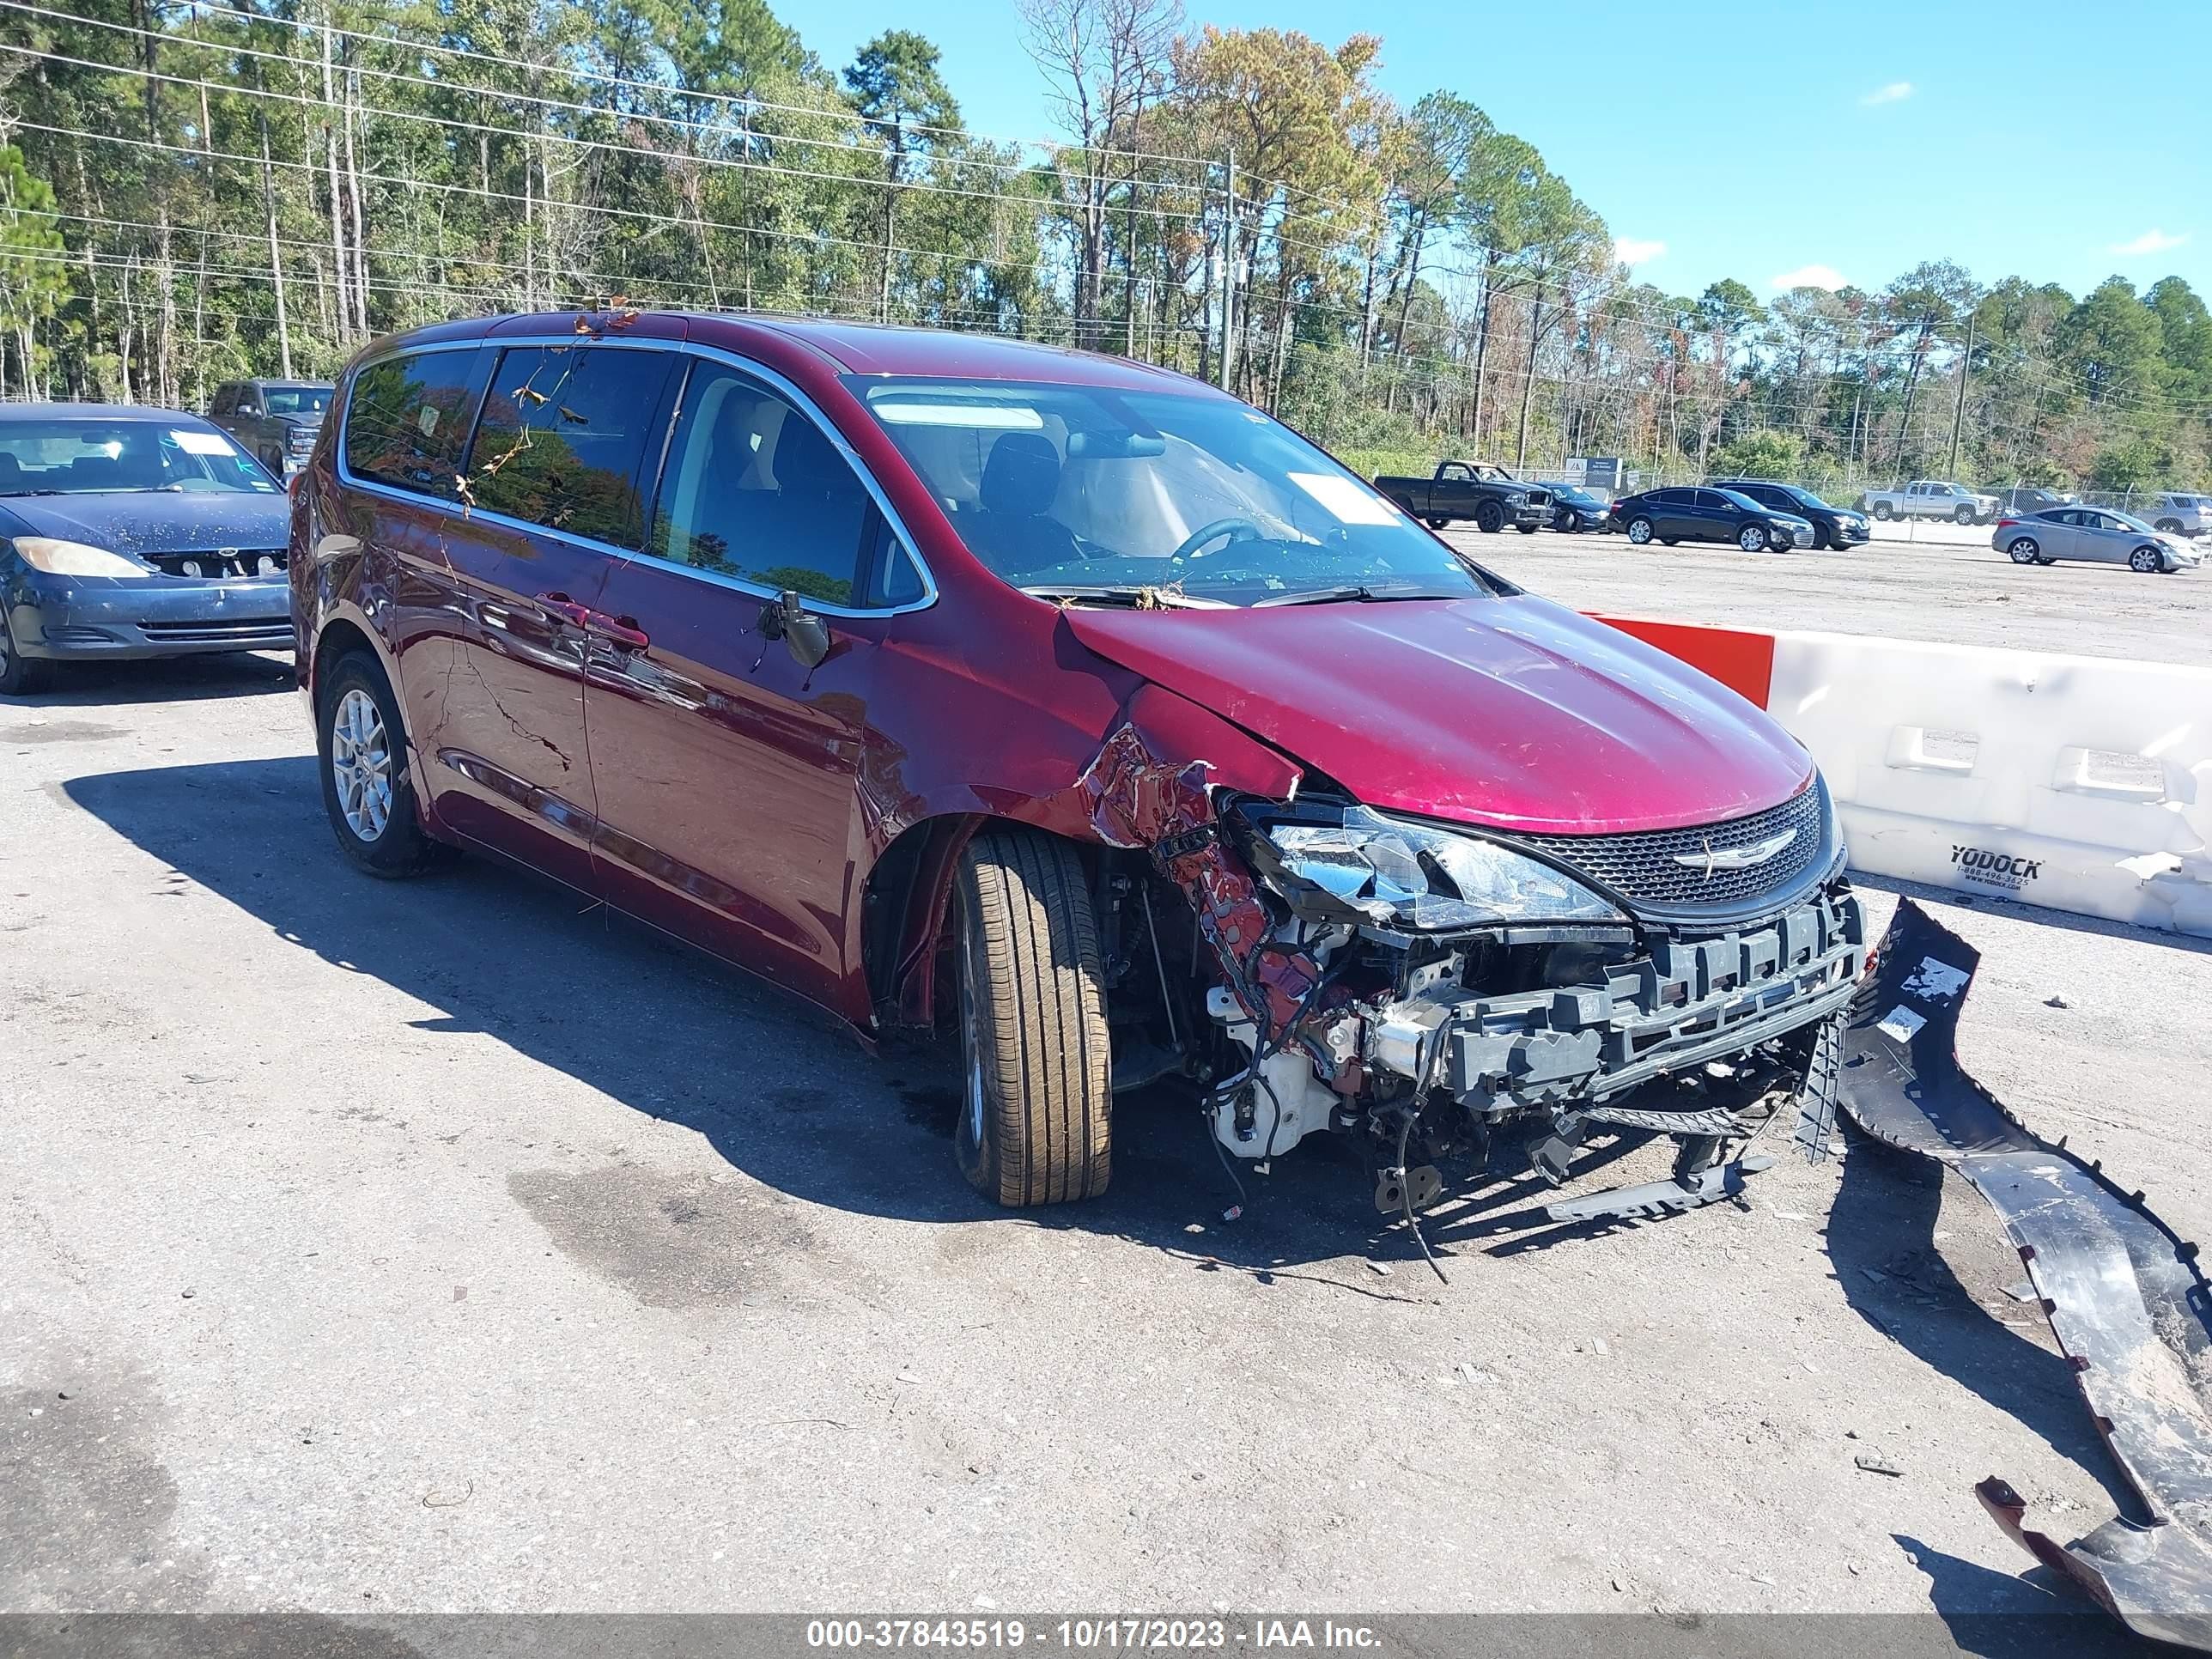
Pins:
<point x="1187" y="547"/>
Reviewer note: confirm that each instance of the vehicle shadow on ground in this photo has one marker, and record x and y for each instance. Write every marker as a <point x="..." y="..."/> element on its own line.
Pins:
<point x="778" y="1088"/>
<point x="1997" y="1615"/>
<point x="1881" y="1238"/>
<point x="160" y="679"/>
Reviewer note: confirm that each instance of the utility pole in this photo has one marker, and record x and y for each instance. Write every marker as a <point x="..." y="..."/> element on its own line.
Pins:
<point x="1959" y="412"/>
<point x="275" y="259"/>
<point x="1229" y="284"/>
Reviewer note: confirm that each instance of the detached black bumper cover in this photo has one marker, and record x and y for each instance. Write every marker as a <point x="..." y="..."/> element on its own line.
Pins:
<point x="2123" y="1293"/>
<point x="64" y="617"/>
<point x="1686" y="1003"/>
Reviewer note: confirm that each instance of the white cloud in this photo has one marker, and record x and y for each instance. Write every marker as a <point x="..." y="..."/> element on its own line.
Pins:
<point x="2151" y="241"/>
<point x="1629" y="251"/>
<point x="1825" y="277"/>
<point x="1895" y="93"/>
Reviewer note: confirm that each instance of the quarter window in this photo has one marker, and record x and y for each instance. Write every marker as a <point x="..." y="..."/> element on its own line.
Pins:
<point x="407" y="419"/>
<point x="754" y="489"/>
<point x="565" y="433"/>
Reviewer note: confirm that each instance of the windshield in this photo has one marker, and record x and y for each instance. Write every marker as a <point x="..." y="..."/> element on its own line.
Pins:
<point x="2131" y="522"/>
<point x="1802" y="497"/>
<point x="1092" y="492"/>
<point x="1574" y="497"/>
<point x="81" y="456"/>
<point x="295" y="399"/>
<point x="1741" y="500"/>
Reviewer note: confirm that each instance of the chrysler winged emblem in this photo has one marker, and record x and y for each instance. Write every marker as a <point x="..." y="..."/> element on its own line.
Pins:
<point x="1735" y="858"/>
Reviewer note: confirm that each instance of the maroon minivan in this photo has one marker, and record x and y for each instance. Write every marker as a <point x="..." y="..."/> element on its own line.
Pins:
<point x="1073" y="706"/>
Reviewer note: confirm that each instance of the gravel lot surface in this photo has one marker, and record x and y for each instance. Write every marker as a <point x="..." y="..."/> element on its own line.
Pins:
<point x="1911" y="582"/>
<point x="406" y="1247"/>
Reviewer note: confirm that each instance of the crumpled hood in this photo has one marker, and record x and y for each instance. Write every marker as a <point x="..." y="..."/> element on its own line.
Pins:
<point x="1514" y="713"/>
<point x="152" y="520"/>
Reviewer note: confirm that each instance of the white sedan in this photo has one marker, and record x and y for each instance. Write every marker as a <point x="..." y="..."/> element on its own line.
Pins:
<point x="2092" y="532"/>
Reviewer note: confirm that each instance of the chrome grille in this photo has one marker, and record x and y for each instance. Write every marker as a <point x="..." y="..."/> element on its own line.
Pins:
<point x="1643" y="866"/>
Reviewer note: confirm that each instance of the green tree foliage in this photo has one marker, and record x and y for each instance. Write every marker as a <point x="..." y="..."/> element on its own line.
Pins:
<point x="191" y="193"/>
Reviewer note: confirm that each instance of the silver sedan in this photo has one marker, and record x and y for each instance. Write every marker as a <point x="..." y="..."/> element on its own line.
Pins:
<point x="2092" y="532"/>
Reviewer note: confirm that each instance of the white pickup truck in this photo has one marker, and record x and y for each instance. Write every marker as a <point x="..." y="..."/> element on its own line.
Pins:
<point x="1932" y="498"/>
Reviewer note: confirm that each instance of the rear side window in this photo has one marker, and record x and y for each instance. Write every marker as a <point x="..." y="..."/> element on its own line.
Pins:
<point x="754" y="489"/>
<point x="567" y="434"/>
<point x="407" y="420"/>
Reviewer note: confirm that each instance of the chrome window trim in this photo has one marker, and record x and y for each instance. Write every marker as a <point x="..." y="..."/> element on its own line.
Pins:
<point x="767" y="376"/>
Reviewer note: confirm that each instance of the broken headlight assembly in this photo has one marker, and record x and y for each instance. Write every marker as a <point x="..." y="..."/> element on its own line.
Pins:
<point x="1418" y="878"/>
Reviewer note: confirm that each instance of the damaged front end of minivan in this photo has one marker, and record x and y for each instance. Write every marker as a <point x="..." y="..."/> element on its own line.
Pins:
<point x="1423" y="984"/>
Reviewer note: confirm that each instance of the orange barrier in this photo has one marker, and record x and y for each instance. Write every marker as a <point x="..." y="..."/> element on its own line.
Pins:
<point x="1741" y="660"/>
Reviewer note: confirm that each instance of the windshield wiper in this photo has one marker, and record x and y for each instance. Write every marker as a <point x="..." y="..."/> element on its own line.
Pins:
<point x="1358" y="590"/>
<point x="1137" y="596"/>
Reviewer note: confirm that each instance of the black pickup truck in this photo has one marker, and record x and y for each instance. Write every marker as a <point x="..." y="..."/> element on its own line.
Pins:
<point x="1490" y="496"/>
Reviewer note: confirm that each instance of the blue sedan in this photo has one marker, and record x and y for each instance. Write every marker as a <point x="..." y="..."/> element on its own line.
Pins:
<point x="133" y="533"/>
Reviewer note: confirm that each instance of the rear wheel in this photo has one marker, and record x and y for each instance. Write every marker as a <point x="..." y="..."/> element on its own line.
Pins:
<point x="1036" y="1107"/>
<point x="2172" y="527"/>
<point x="2148" y="560"/>
<point x="366" y="791"/>
<point x="1639" y="532"/>
<point x="1490" y="517"/>
<point x="1882" y="510"/>
<point x="2025" y="552"/>
<point x="20" y="674"/>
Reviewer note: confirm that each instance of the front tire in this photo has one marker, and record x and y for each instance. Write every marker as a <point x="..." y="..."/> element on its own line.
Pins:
<point x="1753" y="539"/>
<point x="1528" y="529"/>
<point x="20" y="676"/>
<point x="1035" y="1121"/>
<point x="1490" y="517"/>
<point x="1965" y="515"/>
<point x="1439" y="523"/>
<point x="366" y="789"/>
<point x="2147" y="561"/>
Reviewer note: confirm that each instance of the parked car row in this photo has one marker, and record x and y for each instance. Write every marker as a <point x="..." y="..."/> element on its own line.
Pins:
<point x="1758" y="517"/>
<point x="2178" y="512"/>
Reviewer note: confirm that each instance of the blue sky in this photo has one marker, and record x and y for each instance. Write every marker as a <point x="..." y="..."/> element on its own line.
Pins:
<point x="2060" y="142"/>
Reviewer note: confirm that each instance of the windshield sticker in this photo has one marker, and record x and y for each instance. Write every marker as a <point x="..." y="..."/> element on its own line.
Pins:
<point x="997" y="417"/>
<point x="1347" y="500"/>
<point x="200" y="443"/>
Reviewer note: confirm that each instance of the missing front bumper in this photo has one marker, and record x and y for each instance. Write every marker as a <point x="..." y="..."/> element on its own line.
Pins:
<point x="1686" y="1003"/>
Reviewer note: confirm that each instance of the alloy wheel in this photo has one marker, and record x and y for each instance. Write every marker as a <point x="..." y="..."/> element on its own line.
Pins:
<point x="2146" y="560"/>
<point x="360" y="763"/>
<point x="1751" y="538"/>
<point x="1639" y="532"/>
<point x="2024" y="551"/>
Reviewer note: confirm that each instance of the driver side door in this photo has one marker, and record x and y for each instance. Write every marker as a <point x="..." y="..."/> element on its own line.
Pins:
<point x="726" y="772"/>
<point x="1452" y="494"/>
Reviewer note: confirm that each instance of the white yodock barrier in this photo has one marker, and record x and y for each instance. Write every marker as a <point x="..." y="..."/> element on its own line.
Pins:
<point x="2082" y="783"/>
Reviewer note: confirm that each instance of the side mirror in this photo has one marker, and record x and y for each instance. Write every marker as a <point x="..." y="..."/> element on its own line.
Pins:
<point x="787" y="619"/>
